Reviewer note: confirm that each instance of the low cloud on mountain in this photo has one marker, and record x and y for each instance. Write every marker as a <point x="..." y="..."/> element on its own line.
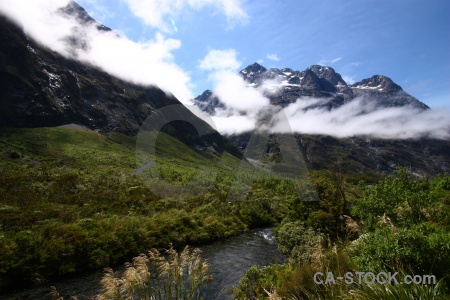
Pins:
<point x="356" y="118"/>
<point x="360" y="117"/>
<point x="148" y="62"/>
<point x="151" y="62"/>
<point x="245" y="105"/>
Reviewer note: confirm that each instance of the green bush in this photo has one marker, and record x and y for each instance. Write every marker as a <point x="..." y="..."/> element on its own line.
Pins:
<point x="402" y="200"/>
<point x="258" y="282"/>
<point x="421" y="249"/>
<point x="301" y="244"/>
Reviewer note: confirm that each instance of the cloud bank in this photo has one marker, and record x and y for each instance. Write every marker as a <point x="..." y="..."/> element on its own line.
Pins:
<point x="246" y="106"/>
<point x="361" y="118"/>
<point x="149" y="62"/>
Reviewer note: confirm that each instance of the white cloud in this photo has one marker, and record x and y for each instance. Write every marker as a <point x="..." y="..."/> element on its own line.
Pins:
<point x="273" y="57"/>
<point x="149" y="63"/>
<point x="157" y="13"/>
<point x="327" y="62"/>
<point x="230" y="87"/>
<point x="220" y="60"/>
<point x="336" y="60"/>
<point x="359" y="117"/>
<point x="356" y="118"/>
<point x="152" y="62"/>
<point x="352" y="119"/>
<point x="232" y="90"/>
<point x="348" y="79"/>
<point x="36" y="19"/>
<point x="101" y="13"/>
<point x="242" y="103"/>
<point x="234" y="124"/>
<point x="245" y="105"/>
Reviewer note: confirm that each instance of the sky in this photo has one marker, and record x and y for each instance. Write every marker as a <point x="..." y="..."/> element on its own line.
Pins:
<point x="408" y="41"/>
<point x="188" y="46"/>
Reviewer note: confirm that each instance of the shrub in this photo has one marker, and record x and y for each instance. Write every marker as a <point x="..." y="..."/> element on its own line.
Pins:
<point x="406" y="250"/>
<point x="301" y="244"/>
<point x="257" y="282"/>
<point x="402" y="199"/>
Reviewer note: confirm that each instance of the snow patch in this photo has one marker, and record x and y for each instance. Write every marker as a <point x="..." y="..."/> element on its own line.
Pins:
<point x="366" y="87"/>
<point x="31" y="49"/>
<point x="54" y="80"/>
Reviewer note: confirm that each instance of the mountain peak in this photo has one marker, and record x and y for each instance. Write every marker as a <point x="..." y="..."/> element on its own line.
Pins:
<point x="379" y="83"/>
<point x="252" y="71"/>
<point x="255" y="67"/>
<point x="320" y="67"/>
<point x="327" y="73"/>
<point x="73" y="9"/>
<point x="286" y="86"/>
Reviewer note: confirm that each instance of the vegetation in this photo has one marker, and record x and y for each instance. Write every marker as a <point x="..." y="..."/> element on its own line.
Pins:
<point x="71" y="201"/>
<point x="153" y="276"/>
<point x="398" y="224"/>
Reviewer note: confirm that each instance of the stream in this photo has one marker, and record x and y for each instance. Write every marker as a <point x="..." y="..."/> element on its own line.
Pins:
<point x="228" y="261"/>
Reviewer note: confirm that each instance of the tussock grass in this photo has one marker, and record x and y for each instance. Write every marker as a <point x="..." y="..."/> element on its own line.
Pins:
<point x="155" y="276"/>
<point x="397" y="292"/>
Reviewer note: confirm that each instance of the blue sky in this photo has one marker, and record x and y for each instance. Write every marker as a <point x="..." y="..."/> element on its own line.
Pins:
<point x="187" y="46"/>
<point x="408" y="41"/>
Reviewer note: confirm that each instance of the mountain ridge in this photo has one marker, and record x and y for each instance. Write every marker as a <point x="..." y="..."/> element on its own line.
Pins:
<point x="39" y="87"/>
<point x="357" y="154"/>
<point x="42" y="88"/>
<point x="284" y="86"/>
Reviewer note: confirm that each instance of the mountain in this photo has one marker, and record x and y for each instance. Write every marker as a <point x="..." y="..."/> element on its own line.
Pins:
<point x="385" y="92"/>
<point x="285" y="86"/>
<point x="81" y="15"/>
<point x="41" y="88"/>
<point x="353" y="155"/>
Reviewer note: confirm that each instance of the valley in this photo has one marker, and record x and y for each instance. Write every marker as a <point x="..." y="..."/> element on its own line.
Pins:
<point x="101" y="172"/>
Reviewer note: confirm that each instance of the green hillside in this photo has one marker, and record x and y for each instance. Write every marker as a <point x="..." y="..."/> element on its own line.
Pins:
<point x="70" y="200"/>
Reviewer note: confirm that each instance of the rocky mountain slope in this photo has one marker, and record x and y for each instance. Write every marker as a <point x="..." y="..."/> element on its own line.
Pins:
<point x="41" y="88"/>
<point x="355" y="154"/>
<point x="285" y="86"/>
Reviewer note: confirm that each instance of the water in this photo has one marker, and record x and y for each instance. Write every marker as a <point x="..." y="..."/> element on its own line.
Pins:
<point x="231" y="258"/>
<point x="228" y="260"/>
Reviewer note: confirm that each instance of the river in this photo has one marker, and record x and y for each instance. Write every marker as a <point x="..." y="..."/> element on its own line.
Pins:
<point x="228" y="259"/>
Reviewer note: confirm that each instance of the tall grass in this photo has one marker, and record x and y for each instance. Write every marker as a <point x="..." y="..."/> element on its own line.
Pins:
<point x="156" y="277"/>
<point x="394" y="292"/>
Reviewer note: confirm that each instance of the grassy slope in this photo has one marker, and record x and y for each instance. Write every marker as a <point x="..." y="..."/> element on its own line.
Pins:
<point x="70" y="201"/>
